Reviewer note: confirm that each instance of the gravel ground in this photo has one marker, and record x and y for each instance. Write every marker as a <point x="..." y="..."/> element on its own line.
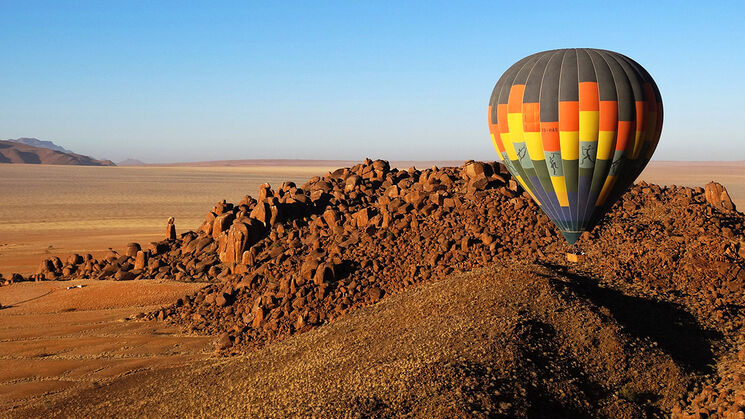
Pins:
<point x="523" y="340"/>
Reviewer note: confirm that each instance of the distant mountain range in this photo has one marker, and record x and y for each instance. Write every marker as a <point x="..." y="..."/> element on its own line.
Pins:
<point x="35" y="142"/>
<point x="131" y="162"/>
<point x="35" y="151"/>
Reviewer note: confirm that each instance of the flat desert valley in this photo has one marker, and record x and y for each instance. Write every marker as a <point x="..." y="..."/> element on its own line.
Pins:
<point x="57" y="343"/>
<point x="58" y="210"/>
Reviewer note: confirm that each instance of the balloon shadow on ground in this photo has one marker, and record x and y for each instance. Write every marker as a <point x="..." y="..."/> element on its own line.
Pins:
<point x="673" y="329"/>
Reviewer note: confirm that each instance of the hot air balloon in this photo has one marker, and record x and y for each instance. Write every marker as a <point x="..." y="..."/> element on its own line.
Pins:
<point x="575" y="127"/>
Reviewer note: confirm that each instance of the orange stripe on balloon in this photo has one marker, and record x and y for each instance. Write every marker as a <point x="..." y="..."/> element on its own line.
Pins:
<point x="550" y="136"/>
<point x="639" y="104"/>
<point x="498" y="140"/>
<point x="569" y="116"/>
<point x="531" y="117"/>
<point x="608" y="115"/>
<point x="515" y="100"/>
<point x="588" y="96"/>
<point x="625" y="132"/>
<point x="502" y="116"/>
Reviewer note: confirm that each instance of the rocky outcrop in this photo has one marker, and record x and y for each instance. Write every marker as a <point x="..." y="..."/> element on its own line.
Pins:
<point x="716" y="195"/>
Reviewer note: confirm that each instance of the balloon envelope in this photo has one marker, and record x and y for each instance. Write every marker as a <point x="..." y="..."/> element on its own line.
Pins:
<point x="576" y="127"/>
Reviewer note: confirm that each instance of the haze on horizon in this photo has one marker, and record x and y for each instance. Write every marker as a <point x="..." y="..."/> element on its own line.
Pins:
<point x="173" y="82"/>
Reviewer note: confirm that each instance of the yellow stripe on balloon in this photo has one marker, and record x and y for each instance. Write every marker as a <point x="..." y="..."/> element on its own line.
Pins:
<point x="515" y="125"/>
<point x="560" y="188"/>
<point x="569" y="143"/>
<point x="607" y="187"/>
<point x="508" y="146"/>
<point x="637" y="145"/>
<point x="535" y="146"/>
<point x="588" y="125"/>
<point x="606" y="143"/>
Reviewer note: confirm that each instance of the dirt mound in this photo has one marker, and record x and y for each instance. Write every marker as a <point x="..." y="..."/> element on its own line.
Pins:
<point x="517" y="340"/>
<point x="19" y="152"/>
<point x="295" y="258"/>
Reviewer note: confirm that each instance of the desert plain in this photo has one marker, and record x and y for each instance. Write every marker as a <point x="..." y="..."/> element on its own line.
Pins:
<point x="60" y="344"/>
<point x="59" y="210"/>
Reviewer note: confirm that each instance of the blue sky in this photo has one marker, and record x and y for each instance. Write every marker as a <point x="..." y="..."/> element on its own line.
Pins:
<point x="180" y="81"/>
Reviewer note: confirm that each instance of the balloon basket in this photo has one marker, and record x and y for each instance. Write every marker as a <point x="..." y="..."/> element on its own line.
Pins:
<point x="576" y="257"/>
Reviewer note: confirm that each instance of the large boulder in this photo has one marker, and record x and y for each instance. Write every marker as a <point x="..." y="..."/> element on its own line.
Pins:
<point x="140" y="260"/>
<point x="239" y="238"/>
<point x="132" y="249"/>
<point x="716" y="195"/>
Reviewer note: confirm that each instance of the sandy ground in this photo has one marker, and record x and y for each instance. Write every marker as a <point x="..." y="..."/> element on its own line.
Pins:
<point x="55" y="341"/>
<point x="58" y="210"/>
<point x="516" y="342"/>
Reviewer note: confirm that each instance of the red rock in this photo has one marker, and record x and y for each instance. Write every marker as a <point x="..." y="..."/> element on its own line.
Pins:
<point x="140" y="260"/>
<point x="351" y="183"/>
<point x="476" y="170"/>
<point x="247" y="258"/>
<point x="46" y="266"/>
<point x="258" y="316"/>
<point x="132" y="249"/>
<point x="263" y="213"/>
<point x="75" y="259"/>
<point x="331" y="217"/>
<point x="308" y="268"/>
<point x="265" y="191"/>
<point x="479" y="184"/>
<point x="375" y="294"/>
<point x="224" y="342"/>
<point x="221" y="223"/>
<point x="324" y="274"/>
<point x="170" y="230"/>
<point x="362" y="217"/>
<point x="223" y="299"/>
<point x="124" y="276"/>
<point x="716" y="195"/>
<point x="237" y="240"/>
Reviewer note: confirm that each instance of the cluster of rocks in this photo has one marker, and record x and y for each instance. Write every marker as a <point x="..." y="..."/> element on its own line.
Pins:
<point x="15" y="277"/>
<point x="299" y="257"/>
<point x="367" y="231"/>
<point x="294" y="258"/>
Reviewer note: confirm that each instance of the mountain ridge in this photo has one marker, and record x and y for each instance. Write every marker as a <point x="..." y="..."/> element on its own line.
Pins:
<point x="35" y="142"/>
<point x="15" y="152"/>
